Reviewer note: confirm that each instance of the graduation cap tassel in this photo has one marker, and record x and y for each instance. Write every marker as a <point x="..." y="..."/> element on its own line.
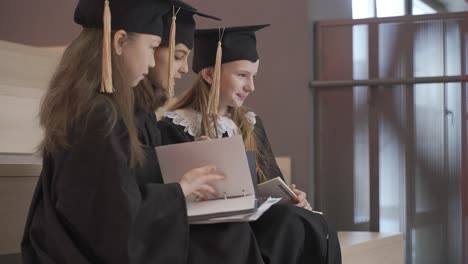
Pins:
<point x="106" y="81"/>
<point x="172" y="35"/>
<point x="216" y="88"/>
<point x="213" y="101"/>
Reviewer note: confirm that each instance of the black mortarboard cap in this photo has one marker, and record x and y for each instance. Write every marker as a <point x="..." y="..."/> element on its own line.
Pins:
<point x="185" y="23"/>
<point x="139" y="16"/>
<point x="238" y="43"/>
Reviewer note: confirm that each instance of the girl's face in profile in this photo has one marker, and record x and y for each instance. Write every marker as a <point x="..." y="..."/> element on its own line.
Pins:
<point x="159" y="74"/>
<point x="138" y="55"/>
<point x="237" y="82"/>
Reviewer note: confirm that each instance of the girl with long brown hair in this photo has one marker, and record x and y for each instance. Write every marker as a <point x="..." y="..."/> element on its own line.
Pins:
<point x="88" y="206"/>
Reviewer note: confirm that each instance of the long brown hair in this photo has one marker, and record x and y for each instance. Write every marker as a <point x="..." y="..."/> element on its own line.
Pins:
<point x="73" y="94"/>
<point x="148" y="96"/>
<point x="197" y="98"/>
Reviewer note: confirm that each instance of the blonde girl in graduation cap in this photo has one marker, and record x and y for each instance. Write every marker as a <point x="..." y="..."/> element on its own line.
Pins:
<point x="88" y="206"/>
<point x="226" y="61"/>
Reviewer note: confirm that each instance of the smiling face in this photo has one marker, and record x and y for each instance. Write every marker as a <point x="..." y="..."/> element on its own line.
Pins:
<point x="159" y="74"/>
<point x="237" y="82"/>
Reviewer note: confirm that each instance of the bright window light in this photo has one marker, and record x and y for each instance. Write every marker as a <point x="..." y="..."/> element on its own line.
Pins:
<point x="363" y="9"/>
<point x="421" y="8"/>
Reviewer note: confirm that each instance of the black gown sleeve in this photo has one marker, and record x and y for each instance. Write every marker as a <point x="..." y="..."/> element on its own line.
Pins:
<point x="272" y="169"/>
<point x="160" y="232"/>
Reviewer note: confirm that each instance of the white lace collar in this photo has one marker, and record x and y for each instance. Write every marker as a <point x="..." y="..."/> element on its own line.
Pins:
<point x="190" y="119"/>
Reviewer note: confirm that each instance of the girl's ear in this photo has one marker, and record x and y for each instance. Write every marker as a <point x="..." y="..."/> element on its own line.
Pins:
<point x="207" y="74"/>
<point x="120" y="39"/>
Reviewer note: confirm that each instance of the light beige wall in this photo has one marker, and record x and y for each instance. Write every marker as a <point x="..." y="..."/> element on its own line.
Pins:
<point x="38" y="23"/>
<point x="24" y="74"/>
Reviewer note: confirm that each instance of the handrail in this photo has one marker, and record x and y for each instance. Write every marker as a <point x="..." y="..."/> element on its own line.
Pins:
<point x="388" y="82"/>
<point x="396" y="19"/>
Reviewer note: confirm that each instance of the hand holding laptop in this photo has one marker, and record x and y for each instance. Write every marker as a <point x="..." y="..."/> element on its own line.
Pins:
<point x="233" y="195"/>
<point x="197" y="182"/>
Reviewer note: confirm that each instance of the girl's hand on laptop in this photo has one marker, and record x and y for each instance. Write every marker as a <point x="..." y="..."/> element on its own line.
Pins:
<point x="197" y="180"/>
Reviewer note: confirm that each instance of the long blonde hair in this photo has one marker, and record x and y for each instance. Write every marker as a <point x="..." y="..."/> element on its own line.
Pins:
<point x="197" y="98"/>
<point x="73" y="93"/>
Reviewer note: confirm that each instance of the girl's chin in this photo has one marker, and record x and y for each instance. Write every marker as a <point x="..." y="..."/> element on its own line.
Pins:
<point x="136" y="82"/>
<point x="236" y="104"/>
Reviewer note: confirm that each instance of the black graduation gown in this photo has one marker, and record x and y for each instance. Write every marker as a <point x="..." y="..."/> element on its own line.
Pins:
<point x="231" y="243"/>
<point x="285" y="233"/>
<point x="89" y="208"/>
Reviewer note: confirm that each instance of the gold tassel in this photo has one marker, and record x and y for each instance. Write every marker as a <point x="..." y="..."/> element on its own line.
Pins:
<point x="213" y="101"/>
<point x="106" y="81"/>
<point x="172" y="40"/>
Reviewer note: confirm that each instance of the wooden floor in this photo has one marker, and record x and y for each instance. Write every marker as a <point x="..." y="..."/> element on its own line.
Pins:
<point x="371" y="248"/>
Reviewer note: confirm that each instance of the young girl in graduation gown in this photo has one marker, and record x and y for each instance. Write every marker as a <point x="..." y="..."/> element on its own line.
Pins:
<point x="88" y="206"/>
<point x="213" y="108"/>
<point x="229" y="243"/>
